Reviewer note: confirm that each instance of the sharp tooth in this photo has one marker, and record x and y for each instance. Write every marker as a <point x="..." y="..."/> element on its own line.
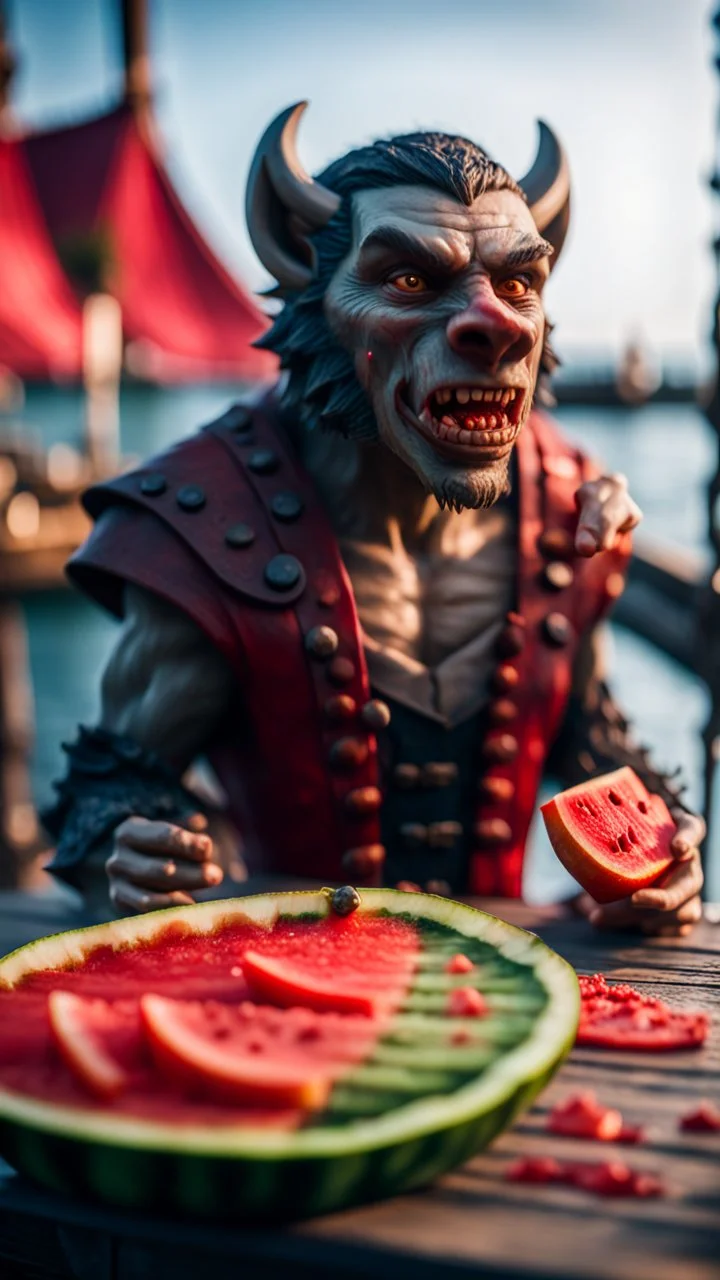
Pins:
<point x="465" y="437"/>
<point x="477" y="393"/>
<point x="426" y="417"/>
<point x="444" y="395"/>
<point x="488" y="395"/>
<point x="481" y="422"/>
<point x="442" y="431"/>
<point x="505" y="397"/>
<point x="447" y="421"/>
<point x="453" y="434"/>
<point x="462" y="395"/>
<point x="512" y="393"/>
<point x="492" y="421"/>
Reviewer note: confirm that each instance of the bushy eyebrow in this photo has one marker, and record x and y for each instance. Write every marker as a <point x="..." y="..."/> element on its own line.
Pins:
<point x="427" y="255"/>
<point x="530" y="249"/>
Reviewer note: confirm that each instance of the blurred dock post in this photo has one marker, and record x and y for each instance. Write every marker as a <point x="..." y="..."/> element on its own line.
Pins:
<point x="102" y="367"/>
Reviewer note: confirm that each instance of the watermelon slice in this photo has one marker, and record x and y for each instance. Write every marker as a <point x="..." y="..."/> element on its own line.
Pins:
<point x="229" y="1104"/>
<point x="611" y="834"/>
<point x="77" y="1026"/>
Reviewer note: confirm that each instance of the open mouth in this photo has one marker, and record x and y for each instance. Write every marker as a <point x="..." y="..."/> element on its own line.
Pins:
<point x="459" y="420"/>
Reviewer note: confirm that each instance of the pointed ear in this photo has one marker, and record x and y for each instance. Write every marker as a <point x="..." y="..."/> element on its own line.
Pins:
<point x="547" y="187"/>
<point x="284" y="205"/>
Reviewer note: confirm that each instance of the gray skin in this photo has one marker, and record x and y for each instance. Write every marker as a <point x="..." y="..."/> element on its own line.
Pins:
<point x="462" y="311"/>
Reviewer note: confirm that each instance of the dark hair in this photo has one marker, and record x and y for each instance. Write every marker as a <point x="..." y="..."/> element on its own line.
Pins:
<point x="322" y="386"/>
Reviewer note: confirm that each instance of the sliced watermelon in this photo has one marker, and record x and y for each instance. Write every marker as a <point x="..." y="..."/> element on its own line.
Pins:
<point x="253" y="1055"/>
<point x="235" y="1107"/>
<point x="77" y="1026"/>
<point x="611" y="834"/>
<point x="285" y="984"/>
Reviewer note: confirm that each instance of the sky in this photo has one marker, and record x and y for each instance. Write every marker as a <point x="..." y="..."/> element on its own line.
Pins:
<point x="627" y="84"/>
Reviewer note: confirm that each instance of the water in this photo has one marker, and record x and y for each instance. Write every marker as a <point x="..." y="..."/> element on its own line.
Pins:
<point x="667" y="453"/>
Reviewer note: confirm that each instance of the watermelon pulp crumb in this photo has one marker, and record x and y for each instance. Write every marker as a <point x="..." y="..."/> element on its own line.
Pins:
<point x="466" y="1002"/>
<point x="704" y="1119"/>
<point x="581" y="1116"/>
<point x="616" y="1016"/>
<point x="459" y="964"/>
<point x="606" y="1178"/>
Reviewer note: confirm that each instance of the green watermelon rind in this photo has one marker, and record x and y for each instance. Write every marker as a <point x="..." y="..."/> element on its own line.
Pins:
<point x="243" y="1172"/>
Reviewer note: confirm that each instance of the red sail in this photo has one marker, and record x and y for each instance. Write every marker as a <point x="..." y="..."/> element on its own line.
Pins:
<point x="40" y="321"/>
<point x="184" y="316"/>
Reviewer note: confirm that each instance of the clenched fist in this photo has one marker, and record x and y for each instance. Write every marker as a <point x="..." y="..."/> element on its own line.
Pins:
<point x="605" y="510"/>
<point x="156" y="864"/>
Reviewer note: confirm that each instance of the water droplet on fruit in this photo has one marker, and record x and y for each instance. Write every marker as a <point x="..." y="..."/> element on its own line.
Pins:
<point x="236" y="971"/>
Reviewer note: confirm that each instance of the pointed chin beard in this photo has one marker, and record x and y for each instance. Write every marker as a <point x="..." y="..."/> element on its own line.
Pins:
<point x="474" y="489"/>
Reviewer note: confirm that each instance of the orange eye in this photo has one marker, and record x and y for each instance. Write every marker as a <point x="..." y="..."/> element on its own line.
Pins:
<point x="408" y="282"/>
<point x="514" y="287"/>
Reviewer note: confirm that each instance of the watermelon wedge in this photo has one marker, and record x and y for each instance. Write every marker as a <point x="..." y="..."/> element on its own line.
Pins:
<point x="78" y="1035"/>
<point x="232" y="1103"/>
<point x="611" y="834"/>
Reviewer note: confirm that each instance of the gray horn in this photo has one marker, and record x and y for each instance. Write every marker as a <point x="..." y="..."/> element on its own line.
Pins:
<point x="547" y="187"/>
<point x="284" y="205"/>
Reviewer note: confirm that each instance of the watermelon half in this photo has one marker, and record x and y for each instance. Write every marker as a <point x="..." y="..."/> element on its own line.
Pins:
<point x="611" y="834"/>
<point x="265" y="1058"/>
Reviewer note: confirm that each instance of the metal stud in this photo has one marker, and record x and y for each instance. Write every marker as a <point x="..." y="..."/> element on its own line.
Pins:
<point x="191" y="497"/>
<point x="282" y="573"/>
<point x="558" y="575"/>
<point x="238" y="418"/>
<point x="153" y="484"/>
<point x="439" y="773"/>
<point x="511" y="641"/>
<point x="557" y="630"/>
<point x="493" y="831"/>
<point x="375" y="714"/>
<point x="556" y="544"/>
<point x="500" y="748"/>
<point x="496" y="790"/>
<point x="340" y="707"/>
<point x="347" y="754"/>
<point x="413" y="835"/>
<point x="502" y="711"/>
<point x="505" y="678"/>
<point x="341" y="671"/>
<point x="406" y="776"/>
<point x="444" y="835"/>
<point x="287" y="506"/>
<point x="239" y="535"/>
<point x="363" y="801"/>
<point x="264" y="462"/>
<point x="364" y="859"/>
<point x="321" y="642"/>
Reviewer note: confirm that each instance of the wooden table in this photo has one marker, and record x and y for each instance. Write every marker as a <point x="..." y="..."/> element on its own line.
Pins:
<point x="473" y="1222"/>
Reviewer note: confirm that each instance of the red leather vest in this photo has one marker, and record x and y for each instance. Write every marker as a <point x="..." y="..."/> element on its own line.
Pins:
<point x="227" y="526"/>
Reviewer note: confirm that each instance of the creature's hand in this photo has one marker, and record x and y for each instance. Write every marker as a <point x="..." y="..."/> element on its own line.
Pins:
<point x="670" y="908"/>
<point x="605" y="510"/>
<point x="155" y="864"/>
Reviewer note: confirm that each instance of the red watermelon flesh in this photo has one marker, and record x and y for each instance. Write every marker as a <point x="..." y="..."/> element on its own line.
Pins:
<point x="202" y="981"/>
<point x="611" y="834"/>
